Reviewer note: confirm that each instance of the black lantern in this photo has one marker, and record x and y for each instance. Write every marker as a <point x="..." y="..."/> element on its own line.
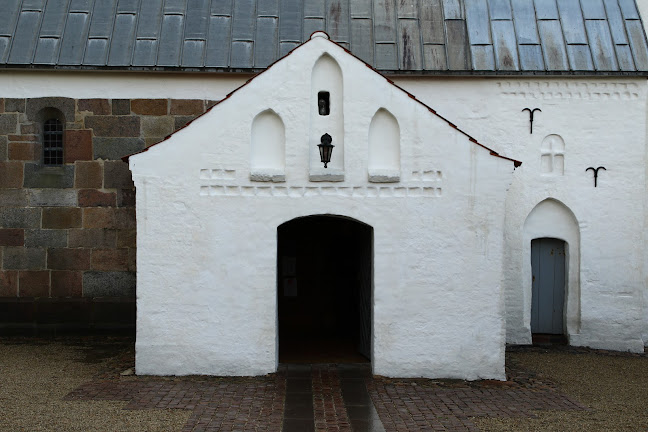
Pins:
<point x="326" y="148"/>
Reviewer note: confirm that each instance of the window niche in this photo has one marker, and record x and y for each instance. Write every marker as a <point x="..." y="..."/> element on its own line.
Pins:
<point x="52" y="142"/>
<point x="324" y="103"/>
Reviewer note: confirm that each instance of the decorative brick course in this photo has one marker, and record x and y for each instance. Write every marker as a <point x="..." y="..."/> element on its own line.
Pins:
<point x="66" y="283"/>
<point x="155" y="107"/>
<point x="68" y="259"/>
<point x="12" y="237"/>
<point x="11" y="174"/>
<point x="34" y="283"/>
<point x="95" y="198"/>
<point x="78" y="145"/>
<point x="63" y="217"/>
<point x="88" y="175"/>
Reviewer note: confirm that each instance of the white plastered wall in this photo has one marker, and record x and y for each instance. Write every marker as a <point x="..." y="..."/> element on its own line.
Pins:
<point x="207" y="234"/>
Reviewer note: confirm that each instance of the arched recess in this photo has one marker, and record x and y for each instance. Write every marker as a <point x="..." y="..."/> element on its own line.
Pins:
<point x="268" y="148"/>
<point x="51" y="124"/>
<point x="327" y="83"/>
<point x="552" y="155"/>
<point x="324" y="289"/>
<point x="384" y="148"/>
<point x="553" y="219"/>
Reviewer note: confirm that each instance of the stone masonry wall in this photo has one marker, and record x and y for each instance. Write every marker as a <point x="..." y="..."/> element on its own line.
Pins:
<point x="67" y="233"/>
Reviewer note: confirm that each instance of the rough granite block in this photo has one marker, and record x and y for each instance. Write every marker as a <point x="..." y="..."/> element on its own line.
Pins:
<point x="117" y="175"/>
<point x="11" y="174"/>
<point x="4" y="148"/>
<point x="92" y="238"/>
<point x="99" y="217"/>
<point x="114" y="126"/>
<point x="21" y="258"/>
<point x="121" y="107"/>
<point x="34" y="283"/>
<point x="12" y="237"/>
<point x="37" y="176"/>
<point x="187" y="107"/>
<point x="110" y="259"/>
<point x="95" y="198"/>
<point x="20" y="217"/>
<point x="14" y="197"/>
<point x="68" y="259"/>
<point x="14" y="105"/>
<point x="127" y="238"/>
<point x="157" y="126"/>
<point x="95" y="106"/>
<point x="46" y="238"/>
<point x="116" y="148"/>
<point x="88" y="175"/>
<point x="78" y="145"/>
<point x="108" y="284"/>
<point x="155" y="107"/>
<point x="52" y="197"/>
<point x="8" y="283"/>
<point x="8" y="124"/>
<point x="66" y="283"/>
<point x="35" y="106"/>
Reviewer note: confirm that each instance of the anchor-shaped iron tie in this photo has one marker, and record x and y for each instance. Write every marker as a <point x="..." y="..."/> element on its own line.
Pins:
<point x="531" y="111"/>
<point x="596" y="170"/>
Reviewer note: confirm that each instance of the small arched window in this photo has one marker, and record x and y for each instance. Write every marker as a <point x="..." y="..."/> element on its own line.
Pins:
<point x="52" y="142"/>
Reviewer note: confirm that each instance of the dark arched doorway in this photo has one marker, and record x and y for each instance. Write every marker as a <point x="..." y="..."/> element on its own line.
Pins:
<point x="324" y="290"/>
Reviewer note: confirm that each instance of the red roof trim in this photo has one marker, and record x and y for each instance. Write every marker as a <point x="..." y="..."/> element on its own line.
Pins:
<point x="516" y="163"/>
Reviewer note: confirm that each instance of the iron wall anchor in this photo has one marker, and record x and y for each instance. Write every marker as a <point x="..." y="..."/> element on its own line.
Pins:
<point x="596" y="170"/>
<point x="531" y="111"/>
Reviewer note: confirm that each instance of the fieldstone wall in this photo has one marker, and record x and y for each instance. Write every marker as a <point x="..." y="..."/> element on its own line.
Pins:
<point x="67" y="233"/>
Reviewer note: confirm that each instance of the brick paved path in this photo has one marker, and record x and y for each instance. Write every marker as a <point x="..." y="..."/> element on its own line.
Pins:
<point x="336" y="392"/>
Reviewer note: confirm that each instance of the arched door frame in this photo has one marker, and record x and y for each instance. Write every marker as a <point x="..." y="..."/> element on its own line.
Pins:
<point x="553" y="219"/>
<point x="372" y="286"/>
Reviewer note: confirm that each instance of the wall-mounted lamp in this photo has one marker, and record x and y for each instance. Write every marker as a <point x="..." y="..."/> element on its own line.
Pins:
<point x="325" y="149"/>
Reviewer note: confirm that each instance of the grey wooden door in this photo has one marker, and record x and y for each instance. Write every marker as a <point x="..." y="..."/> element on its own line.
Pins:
<point x="548" y="287"/>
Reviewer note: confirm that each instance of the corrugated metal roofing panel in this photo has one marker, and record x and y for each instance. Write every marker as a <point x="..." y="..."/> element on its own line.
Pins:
<point x="525" y="22"/>
<point x="337" y="20"/>
<point x="46" y="51"/>
<point x="360" y="8"/>
<point x="506" y="56"/>
<point x="267" y="35"/>
<point x="290" y="29"/>
<point x="453" y="9"/>
<point x="572" y="21"/>
<point x="456" y="49"/>
<point x="432" y="30"/>
<point x="482" y="57"/>
<point x="74" y="39"/>
<point x="434" y="57"/>
<point x="103" y="17"/>
<point x="150" y="20"/>
<point x="362" y="39"/>
<point x="145" y="53"/>
<point x="638" y="44"/>
<point x="193" y="53"/>
<point x="54" y="18"/>
<point x="170" y="43"/>
<point x="580" y="57"/>
<point x="617" y="24"/>
<point x="218" y="45"/>
<point x="268" y="7"/>
<point x="311" y="25"/>
<point x="386" y="57"/>
<point x="409" y="48"/>
<point x="593" y="9"/>
<point x="196" y="19"/>
<point x="553" y="45"/>
<point x="499" y="9"/>
<point x="624" y="57"/>
<point x="601" y="45"/>
<point x="629" y="9"/>
<point x="531" y="58"/>
<point x="546" y="9"/>
<point x="25" y="37"/>
<point x="384" y="21"/>
<point x="477" y="22"/>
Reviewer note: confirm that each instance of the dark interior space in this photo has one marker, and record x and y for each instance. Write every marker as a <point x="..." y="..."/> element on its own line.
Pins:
<point x="324" y="290"/>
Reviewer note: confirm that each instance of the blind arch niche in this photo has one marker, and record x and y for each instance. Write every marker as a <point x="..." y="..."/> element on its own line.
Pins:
<point x="384" y="148"/>
<point x="268" y="148"/>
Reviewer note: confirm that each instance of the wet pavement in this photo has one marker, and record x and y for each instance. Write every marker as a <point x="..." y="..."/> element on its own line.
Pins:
<point x="324" y="397"/>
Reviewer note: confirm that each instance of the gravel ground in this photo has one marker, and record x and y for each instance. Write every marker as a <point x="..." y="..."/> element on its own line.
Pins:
<point x="34" y="377"/>
<point x="613" y="385"/>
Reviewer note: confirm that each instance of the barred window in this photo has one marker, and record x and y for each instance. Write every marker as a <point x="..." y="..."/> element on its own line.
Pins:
<point x="53" y="142"/>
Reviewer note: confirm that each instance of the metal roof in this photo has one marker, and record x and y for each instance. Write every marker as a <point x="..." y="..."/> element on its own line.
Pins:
<point x="401" y="36"/>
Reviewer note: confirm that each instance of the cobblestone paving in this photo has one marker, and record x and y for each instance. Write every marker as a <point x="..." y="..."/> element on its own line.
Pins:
<point x="257" y="404"/>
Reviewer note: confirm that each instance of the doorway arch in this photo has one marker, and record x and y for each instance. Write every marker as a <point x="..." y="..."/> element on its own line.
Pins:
<point x="324" y="289"/>
<point x="553" y="219"/>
